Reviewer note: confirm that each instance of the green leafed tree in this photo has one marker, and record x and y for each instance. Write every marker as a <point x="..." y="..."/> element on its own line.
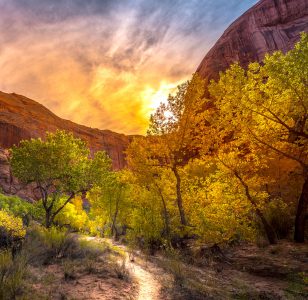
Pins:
<point x="108" y="200"/>
<point x="59" y="166"/>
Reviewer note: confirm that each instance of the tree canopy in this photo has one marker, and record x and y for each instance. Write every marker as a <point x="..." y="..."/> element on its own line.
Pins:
<point x="58" y="166"/>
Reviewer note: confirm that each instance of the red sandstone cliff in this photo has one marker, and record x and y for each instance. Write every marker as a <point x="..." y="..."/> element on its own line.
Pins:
<point x="23" y="118"/>
<point x="268" y="26"/>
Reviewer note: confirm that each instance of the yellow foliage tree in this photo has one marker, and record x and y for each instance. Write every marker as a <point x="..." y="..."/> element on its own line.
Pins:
<point x="171" y="134"/>
<point x="266" y="105"/>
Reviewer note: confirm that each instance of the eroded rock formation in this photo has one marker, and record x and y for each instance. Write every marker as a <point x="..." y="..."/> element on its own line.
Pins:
<point x="268" y="26"/>
<point x="23" y="118"/>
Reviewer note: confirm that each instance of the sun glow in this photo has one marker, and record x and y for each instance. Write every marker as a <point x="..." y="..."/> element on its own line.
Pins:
<point x="153" y="97"/>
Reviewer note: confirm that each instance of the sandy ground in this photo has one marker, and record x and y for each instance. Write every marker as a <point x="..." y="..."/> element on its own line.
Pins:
<point x="148" y="286"/>
<point x="245" y="272"/>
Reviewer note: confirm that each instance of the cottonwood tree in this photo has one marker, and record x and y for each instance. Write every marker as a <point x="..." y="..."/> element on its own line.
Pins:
<point x="59" y="166"/>
<point x="249" y="168"/>
<point x="148" y="173"/>
<point x="218" y="207"/>
<point x="267" y="105"/>
<point x="108" y="200"/>
<point x="171" y="132"/>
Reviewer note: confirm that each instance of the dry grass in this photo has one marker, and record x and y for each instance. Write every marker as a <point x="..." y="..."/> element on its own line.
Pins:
<point x="245" y="272"/>
<point x="60" y="265"/>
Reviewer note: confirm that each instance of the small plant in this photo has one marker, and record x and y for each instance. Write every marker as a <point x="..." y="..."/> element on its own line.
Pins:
<point x="89" y="266"/>
<point x="55" y="239"/>
<point x="91" y="249"/>
<point x="69" y="270"/>
<point x="121" y="271"/>
<point x="11" y="230"/>
<point x="12" y="274"/>
<point x="174" y="266"/>
<point x="45" y="245"/>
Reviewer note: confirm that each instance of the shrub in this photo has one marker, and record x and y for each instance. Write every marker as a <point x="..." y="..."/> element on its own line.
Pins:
<point x="11" y="229"/>
<point x="121" y="271"/>
<point x="56" y="240"/>
<point x="47" y="245"/>
<point x="69" y="270"/>
<point x="174" y="265"/>
<point x="12" y="274"/>
<point x="18" y="207"/>
<point x="91" y="249"/>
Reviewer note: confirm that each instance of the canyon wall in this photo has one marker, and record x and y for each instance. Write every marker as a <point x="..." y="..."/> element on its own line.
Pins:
<point x="268" y="26"/>
<point x="22" y="118"/>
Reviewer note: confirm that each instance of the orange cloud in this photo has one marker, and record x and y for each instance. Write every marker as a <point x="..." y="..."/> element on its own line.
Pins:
<point x="106" y="66"/>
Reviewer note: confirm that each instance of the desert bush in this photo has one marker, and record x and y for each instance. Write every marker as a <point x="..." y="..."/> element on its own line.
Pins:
<point x="12" y="275"/>
<point x="121" y="271"/>
<point x="92" y="249"/>
<point x="186" y="285"/>
<point x="11" y="229"/>
<point x="89" y="265"/>
<point x="69" y="270"/>
<point x="174" y="265"/>
<point x="47" y="245"/>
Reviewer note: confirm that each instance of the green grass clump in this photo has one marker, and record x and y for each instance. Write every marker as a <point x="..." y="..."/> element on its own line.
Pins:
<point x="12" y="275"/>
<point x="46" y="246"/>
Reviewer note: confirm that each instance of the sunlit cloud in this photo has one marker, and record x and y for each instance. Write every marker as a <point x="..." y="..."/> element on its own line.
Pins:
<point x="106" y="64"/>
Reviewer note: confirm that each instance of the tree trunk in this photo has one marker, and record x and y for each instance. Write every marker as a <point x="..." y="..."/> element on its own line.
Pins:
<point x="269" y="231"/>
<point x="165" y="213"/>
<point x="48" y="220"/>
<point x="301" y="213"/>
<point x="179" y="196"/>
<point x="114" y="231"/>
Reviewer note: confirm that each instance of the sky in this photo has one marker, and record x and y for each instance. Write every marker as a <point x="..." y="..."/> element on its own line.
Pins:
<point x="107" y="63"/>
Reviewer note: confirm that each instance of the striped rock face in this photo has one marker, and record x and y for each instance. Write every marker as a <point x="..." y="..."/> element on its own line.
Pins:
<point x="22" y="118"/>
<point x="268" y="26"/>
